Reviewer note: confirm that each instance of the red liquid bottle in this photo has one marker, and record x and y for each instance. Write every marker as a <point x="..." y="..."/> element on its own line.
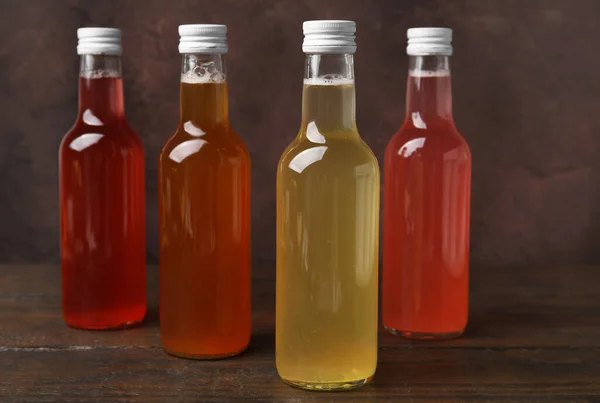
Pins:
<point x="427" y="178"/>
<point x="102" y="197"/>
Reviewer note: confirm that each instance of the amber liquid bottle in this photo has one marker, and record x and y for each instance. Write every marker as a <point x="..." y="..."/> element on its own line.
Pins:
<point x="102" y="197"/>
<point x="427" y="202"/>
<point x="327" y="228"/>
<point x="204" y="211"/>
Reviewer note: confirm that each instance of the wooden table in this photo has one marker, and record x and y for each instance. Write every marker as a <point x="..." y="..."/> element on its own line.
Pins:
<point x="534" y="336"/>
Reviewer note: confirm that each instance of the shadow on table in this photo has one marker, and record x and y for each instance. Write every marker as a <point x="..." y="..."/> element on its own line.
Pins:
<point x="152" y="316"/>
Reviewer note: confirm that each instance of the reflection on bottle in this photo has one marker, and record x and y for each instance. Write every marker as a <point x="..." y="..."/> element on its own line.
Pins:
<point x="84" y="141"/>
<point x="307" y="157"/>
<point x="185" y="149"/>
<point x="411" y="146"/>
<point x="192" y="129"/>
<point x="90" y="119"/>
<point x="313" y="133"/>
<point x="418" y="120"/>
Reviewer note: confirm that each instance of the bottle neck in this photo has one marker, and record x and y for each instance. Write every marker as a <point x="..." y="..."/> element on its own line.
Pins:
<point x="328" y="99"/>
<point x="429" y="89"/>
<point x="100" y="89"/>
<point x="203" y="95"/>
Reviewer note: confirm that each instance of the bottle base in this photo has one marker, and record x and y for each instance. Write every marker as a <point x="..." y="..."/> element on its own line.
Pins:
<point x="105" y="326"/>
<point x="424" y="335"/>
<point x="328" y="386"/>
<point x="205" y="357"/>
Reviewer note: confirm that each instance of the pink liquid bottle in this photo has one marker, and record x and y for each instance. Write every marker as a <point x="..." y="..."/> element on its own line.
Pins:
<point x="427" y="176"/>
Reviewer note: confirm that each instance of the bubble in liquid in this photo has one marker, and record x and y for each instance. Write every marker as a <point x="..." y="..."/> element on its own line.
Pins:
<point x="93" y="74"/>
<point x="329" y="79"/>
<point x="429" y="73"/>
<point x="202" y="72"/>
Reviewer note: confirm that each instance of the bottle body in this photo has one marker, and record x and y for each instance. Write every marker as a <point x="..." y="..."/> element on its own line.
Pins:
<point x="102" y="204"/>
<point x="204" y="216"/>
<point x="327" y="247"/>
<point x="427" y="179"/>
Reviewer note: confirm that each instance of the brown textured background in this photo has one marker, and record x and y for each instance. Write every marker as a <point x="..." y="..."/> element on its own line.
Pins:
<point x="526" y="97"/>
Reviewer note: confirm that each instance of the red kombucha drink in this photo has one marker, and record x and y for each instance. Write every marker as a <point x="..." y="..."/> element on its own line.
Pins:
<point x="427" y="177"/>
<point x="102" y="197"/>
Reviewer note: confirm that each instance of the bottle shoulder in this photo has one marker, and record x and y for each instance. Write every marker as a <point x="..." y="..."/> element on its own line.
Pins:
<point x="330" y="155"/>
<point x="114" y="136"/>
<point x="213" y="144"/>
<point x="434" y="138"/>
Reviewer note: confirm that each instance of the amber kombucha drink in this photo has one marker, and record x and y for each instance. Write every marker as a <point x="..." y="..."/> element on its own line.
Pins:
<point x="204" y="212"/>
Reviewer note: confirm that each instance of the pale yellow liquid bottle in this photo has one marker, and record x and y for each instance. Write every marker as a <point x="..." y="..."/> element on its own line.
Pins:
<point x="327" y="231"/>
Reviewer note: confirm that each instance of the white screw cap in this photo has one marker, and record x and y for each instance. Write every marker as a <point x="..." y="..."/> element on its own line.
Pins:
<point x="99" y="41"/>
<point x="429" y="41"/>
<point x="203" y="38"/>
<point x="329" y="36"/>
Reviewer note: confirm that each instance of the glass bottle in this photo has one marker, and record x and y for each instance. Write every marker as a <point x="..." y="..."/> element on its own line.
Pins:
<point x="102" y="197"/>
<point x="327" y="227"/>
<point x="204" y="211"/>
<point x="427" y="177"/>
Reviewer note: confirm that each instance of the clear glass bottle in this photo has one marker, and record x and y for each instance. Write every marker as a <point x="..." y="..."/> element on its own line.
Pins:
<point x="102" y="197"/>
<point x="427" y="178"/>
<point x="204" y="211"/>
<point x="327" y="227"/>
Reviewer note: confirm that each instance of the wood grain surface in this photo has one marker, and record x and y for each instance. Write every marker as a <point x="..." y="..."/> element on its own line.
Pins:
<point x="534" y="336"/>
